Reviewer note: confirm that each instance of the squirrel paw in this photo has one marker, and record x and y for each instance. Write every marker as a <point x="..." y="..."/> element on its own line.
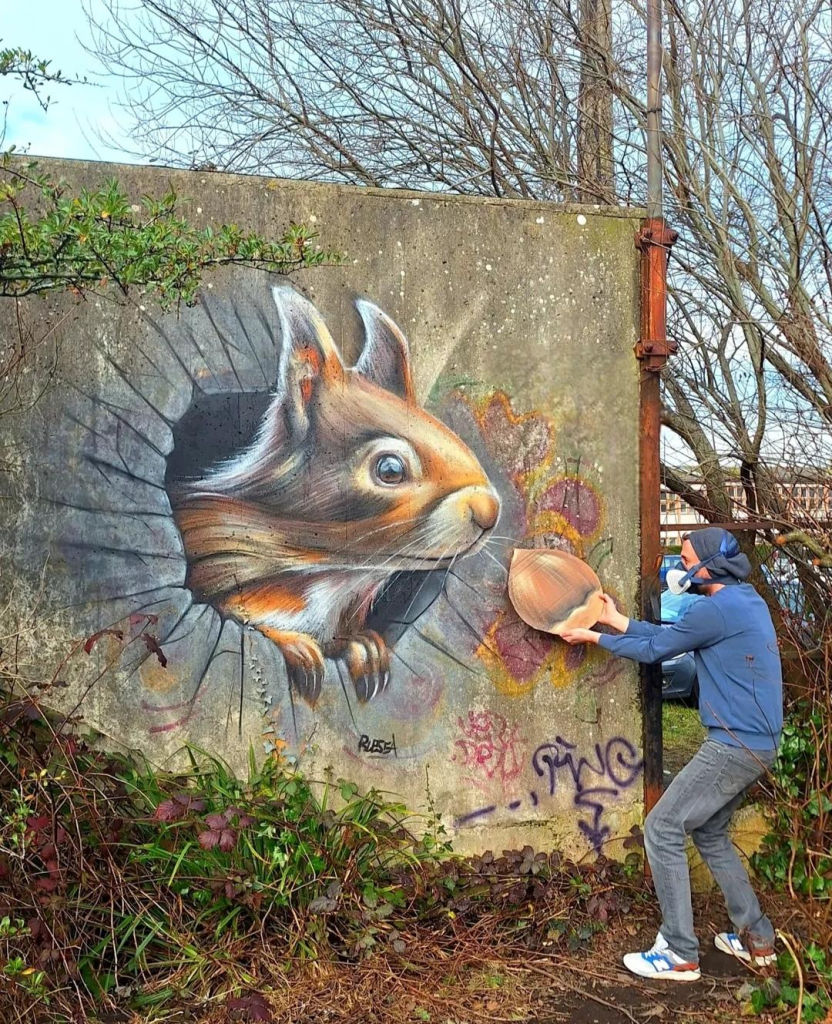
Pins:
<point x="304" y="662"/>
<point x="368" y="662"/>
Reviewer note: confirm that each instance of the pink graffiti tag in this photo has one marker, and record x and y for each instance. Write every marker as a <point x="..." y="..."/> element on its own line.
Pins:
<point x="488" y="747"/>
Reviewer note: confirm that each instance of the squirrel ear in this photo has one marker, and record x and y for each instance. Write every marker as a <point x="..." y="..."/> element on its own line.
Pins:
<point x="385" y="359"/>
<point x="309" y="358"/>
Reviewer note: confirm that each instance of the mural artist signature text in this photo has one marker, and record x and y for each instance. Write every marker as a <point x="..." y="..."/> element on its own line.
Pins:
<point x="380" y="748"/>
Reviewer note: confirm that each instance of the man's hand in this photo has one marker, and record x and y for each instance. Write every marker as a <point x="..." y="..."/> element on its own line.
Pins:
<point x="611" y="616"/>
<point x="580" y="636"/>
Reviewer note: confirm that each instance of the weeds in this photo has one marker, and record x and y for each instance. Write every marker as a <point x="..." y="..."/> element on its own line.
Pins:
<point x="122" y="884"/>
<point x="124" y="875"/>
<point x="804" y="984"/>
<point x="797" y="854"/>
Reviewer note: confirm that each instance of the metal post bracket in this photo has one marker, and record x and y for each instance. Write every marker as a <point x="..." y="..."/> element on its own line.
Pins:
<point x="655" y="232"/>
<point x="654" y="240"/>
<point x="656" y="348"/>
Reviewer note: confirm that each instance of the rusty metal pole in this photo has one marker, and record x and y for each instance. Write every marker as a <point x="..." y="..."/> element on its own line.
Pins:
<point x="654" y="241"/>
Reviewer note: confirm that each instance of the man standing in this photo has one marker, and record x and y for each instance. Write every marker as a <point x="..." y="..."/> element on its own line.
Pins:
<point x="734" y="644"/>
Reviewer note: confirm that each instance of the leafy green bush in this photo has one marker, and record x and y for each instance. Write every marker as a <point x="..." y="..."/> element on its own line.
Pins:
<point x="51" y="240"/>
<point x="797" y="853"/>
<point x="118" y="881"/>
<point x="120" y="873"/>
<point x="804" y="986"/>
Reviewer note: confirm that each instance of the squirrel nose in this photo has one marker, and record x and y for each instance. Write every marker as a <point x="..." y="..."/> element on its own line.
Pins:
<point x="485" y="507"/>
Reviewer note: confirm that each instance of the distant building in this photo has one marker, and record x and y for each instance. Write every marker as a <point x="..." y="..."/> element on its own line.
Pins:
<point x="807" y="500"/>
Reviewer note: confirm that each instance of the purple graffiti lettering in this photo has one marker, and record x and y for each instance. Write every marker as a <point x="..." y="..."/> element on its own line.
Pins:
<point x="623" y="762"/>
<point x="619" y="761"/>
<point x="590" y="799"/>
<point x="618" y="764"/>
<point x="481" y="813"/>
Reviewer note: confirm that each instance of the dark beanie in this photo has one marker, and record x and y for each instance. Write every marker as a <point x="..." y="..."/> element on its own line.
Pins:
<point x="723" y="568"/>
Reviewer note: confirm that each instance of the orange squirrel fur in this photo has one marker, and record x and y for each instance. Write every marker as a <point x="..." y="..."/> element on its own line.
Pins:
<point x="348" y="481"/>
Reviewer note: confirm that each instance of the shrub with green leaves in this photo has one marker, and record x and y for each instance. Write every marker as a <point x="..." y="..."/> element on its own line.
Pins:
<point x="805" y="988"/>
<point x="797" y="853"/>
<point x="113" y="874"/>
<point x="51" y="239"/>
<point x="119" y="881"/>
<point x="35" y="73"/>
<point x="275" y="847"/>
<point x="796" y="856"/>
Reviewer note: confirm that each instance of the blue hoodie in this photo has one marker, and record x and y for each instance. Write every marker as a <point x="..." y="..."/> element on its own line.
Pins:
<point x="732" y="639"/>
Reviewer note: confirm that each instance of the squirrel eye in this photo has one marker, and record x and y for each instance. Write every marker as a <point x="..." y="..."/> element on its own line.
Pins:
<point x="390" y="469"/>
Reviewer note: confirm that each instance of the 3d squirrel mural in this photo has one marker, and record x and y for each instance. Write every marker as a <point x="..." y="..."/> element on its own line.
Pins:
<point x="347" y="482"/>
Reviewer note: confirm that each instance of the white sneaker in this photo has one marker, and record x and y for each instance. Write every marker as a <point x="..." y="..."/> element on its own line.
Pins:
<point x="661" y="962"/>
<point x="732" y="944"/>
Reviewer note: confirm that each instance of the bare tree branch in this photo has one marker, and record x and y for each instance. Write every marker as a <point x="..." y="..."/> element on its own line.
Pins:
<point x="530" y="99"/>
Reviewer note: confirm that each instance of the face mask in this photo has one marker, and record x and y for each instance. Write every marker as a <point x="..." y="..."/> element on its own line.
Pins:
<point x="680" y="580"/>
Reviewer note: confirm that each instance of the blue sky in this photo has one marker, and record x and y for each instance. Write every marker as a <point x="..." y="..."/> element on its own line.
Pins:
<point x="53" y="30"/>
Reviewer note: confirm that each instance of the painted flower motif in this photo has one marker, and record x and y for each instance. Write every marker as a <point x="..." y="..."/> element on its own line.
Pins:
<point x="522" y="649"/>
<point x="559" y="506"/>
<point x="576" y="502"/>
<point x="520" y="443"/>
<point x="561" y="510"/>
<point x="520" y="657"/>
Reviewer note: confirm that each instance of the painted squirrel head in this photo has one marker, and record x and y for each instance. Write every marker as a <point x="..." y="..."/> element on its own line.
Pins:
<point x="348" y="461"/>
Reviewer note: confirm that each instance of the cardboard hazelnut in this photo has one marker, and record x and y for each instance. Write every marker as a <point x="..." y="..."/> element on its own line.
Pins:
<point x="554" y="591"/>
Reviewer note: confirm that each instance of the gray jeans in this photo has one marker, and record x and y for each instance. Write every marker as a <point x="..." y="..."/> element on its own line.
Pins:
<point x="700" y="801"/>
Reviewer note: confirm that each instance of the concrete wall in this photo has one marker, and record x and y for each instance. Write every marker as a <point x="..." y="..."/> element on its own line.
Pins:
<point x="211" y="479"/>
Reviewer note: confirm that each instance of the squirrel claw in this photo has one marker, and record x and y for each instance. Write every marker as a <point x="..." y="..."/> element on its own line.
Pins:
<point x="304" y="662"/>
<point x="305" y="683"/>
<point x="367" y="660"/>
<point x="362" y="685"/>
